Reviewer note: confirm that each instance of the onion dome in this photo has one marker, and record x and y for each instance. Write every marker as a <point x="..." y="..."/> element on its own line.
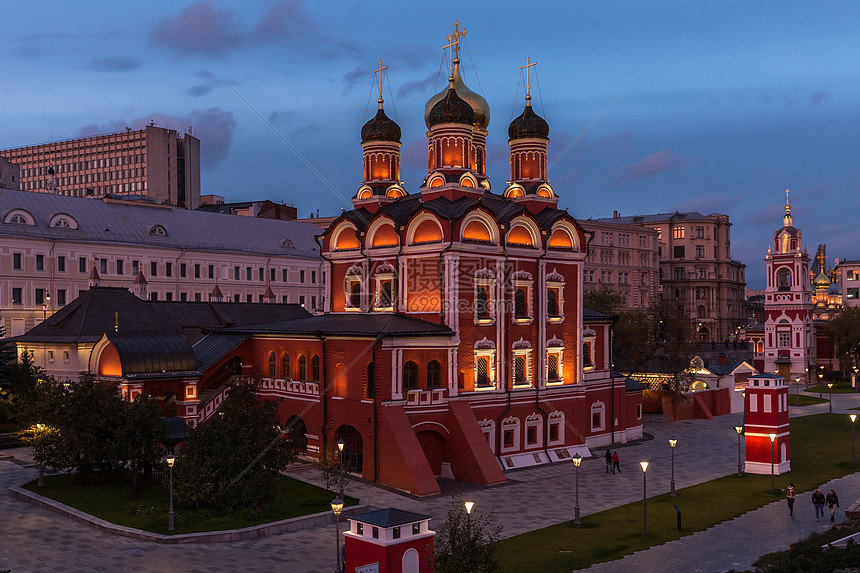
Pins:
<point x="478" y="104"/>
<point x="528" y="125"/>
<point x="380" y="128"/>
<point x="451" y="109"/>
<point x="821" y="281"/>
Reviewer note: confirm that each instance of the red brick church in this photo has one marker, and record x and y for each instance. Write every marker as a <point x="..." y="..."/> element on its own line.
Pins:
<point x="454" y="342"/>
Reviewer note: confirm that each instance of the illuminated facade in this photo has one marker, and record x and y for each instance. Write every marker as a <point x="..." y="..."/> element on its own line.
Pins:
<point x="153" y="162"/>
<point x="454" y="343"/>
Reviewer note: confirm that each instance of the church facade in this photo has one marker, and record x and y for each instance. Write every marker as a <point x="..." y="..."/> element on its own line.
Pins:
<point x="454" y="343"/>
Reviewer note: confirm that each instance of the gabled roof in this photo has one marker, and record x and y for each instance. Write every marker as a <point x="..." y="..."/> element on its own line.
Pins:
<point x="88" y="317"/>
<point x="146" y="354"/>
<point x="125" y="222"/>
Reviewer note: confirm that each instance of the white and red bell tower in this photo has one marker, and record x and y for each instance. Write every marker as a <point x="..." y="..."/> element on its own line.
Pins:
<point x="788" y="333"/>
<point x="766" y="425"/>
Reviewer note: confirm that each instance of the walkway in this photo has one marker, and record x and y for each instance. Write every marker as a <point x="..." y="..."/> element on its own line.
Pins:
<point x="35" y="540"/>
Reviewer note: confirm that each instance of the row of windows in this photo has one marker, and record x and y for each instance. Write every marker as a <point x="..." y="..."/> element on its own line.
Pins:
<point x="69" y="167"/>
<point x="155" y="268"/>
<point x="609" y="277"/>
<point x="301" y="373"/>
<point x="42" y="296"/>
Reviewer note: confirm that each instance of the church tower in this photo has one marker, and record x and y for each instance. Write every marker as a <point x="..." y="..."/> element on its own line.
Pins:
<point x="789" y="336"/>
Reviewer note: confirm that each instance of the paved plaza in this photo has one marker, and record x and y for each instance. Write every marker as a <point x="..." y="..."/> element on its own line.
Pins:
<point x="34" y="540"/>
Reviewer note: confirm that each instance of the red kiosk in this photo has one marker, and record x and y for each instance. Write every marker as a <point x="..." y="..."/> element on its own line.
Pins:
<point x="766" y="421"/>
<point x="388" y="541"/>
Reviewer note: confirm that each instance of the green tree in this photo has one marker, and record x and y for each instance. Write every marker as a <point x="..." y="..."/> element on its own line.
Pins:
<point x="602" y="299"/>
<point x="329" y="466"/>
<point x="18" y="382"/>
<point x="234" y="458"/>
<point x="140" y="434"/>
<point x="466" y="543"/>
<point x="844" y="331"/>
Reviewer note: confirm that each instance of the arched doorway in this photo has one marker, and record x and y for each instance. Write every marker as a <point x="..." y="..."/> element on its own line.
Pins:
<point x="353" y="450"/>
<point x="435" y="449"/>
<point x="297" y="434"/>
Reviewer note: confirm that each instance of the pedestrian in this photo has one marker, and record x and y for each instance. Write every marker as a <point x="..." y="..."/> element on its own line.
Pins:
<point x="818" y="502"/>
<point x="616" y="464"/>
<point x="789" y="496"/>
<point x="832" y="501"/>
<point x="609" y="462"/>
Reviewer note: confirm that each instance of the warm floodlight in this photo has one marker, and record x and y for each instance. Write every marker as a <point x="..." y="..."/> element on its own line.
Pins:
<point x="644" y="466"/>
<point x="673" y="442"/>
<point x="469" y="505"/>
<point x="772" y="437"/>
<point x="337" y="506"/>
<point x="577" y="459"/>
<point x="170" y="459"/>
<point x="739" y="429"/>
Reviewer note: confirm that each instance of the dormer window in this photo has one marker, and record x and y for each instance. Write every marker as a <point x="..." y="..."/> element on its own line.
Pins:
<point x="158" y="230"/>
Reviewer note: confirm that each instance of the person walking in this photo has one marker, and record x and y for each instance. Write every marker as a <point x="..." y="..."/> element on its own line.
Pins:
<point x="818" y="502"/>
<point x="616" y="464"/>
<point x="789" y="496"/>
<point x="609" y="462"/>
<point x="832" y="501"/>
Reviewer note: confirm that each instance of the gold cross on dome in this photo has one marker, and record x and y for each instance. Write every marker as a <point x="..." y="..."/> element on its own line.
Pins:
<point x="454" y="40"/>
<point x="526" y="67"/>
<point x="379" y="71"/>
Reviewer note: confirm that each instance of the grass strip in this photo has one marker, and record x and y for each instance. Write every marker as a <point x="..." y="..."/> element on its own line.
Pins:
<point x="108" y="497"/>
<point x="818" y="446"/>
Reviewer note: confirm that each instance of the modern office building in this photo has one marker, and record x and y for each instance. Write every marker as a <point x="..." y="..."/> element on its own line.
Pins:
<point x="697" y="269"/>
<point x="52" y="248"/>
<point x="623" y="258"/>
<point x="154" y="162"/>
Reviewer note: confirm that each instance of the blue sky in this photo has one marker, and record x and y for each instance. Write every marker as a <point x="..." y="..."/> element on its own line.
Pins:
<point x="730" y="102"/>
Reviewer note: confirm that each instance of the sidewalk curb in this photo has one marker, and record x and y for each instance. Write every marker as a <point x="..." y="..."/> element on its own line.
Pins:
<point x="253" y="532"/>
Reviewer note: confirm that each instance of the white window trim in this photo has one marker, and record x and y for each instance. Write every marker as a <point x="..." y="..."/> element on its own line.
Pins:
<point x="589" y="337"/>
<point x="556" y="419"/>
<point x="534" y="421"/>
<point x="488" y="428"/>
<point x="555" y="346"/>
<point x="597" y="408"/>
<point x="522" y="348"/>
<point x="528" y="284"/>
<point x="553" y="282"/>
<point x="512" y="424"/>
<point x="490" y="354"/>
<point x="487" y="279"/>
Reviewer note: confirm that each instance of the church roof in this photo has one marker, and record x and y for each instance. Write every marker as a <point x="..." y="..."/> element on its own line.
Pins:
<point x="348" y="324"/>
<point x="380" y="128"/>
<point x="528" y="125"/>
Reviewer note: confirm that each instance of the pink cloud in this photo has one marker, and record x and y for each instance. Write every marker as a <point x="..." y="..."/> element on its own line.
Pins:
<point x="650" y="166"/>
<point x="201" y="28"/>
<point x="286" y="20"/>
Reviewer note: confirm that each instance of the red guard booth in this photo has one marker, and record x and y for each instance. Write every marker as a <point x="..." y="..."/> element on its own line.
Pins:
<point x="766" y="415"/>
<point x="388" y="541"/>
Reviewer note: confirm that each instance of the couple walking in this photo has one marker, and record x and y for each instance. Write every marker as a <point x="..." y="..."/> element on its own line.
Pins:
<point x="818" y="500"/>
<point x="613" y="464"/>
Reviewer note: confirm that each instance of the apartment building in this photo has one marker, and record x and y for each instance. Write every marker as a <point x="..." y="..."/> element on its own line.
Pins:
<point x="624" y="259"/>
<point x="154" y="162"/>
<point x="697" y="269"/>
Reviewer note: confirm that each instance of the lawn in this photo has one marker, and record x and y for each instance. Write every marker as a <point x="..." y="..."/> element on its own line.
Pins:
<point x="108" y="497"/>
<point x="804" y="400"/>
<point x="817" y="442"/>
<point x="844" y="388"/>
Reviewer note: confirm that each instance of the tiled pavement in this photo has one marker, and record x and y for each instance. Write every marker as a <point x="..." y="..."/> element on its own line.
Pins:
<point x="33" y="539"/>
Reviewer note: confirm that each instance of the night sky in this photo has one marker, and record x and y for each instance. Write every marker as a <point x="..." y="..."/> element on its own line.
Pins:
<point x="730" y="103"/>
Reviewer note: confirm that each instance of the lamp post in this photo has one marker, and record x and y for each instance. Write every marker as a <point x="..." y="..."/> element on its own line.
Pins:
<point x="830" y="398"/>
<point x="797" y="394"/>
<point x="644" y="499"/>
<point x="39" y="428"/>
<point x="170" y="459"/>
<point x="340" y="446"/>
<point x="672" y="483"/>
<point x="820" y="384"/>
<point x="46" y="305"/>
<point x="772" y="438"/>
<point x="853" y="417"/>
<point x="336" y="508"/>
<point x="739" y="430"/>
<point x="469" y="505"/>
<point x="577" y="459"/>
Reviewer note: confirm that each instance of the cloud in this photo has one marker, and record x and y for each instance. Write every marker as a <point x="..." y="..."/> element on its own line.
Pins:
<point x="282" y="117"/>
<point x="819" y="96"/>
<point x="209" y="82"/>
<point x="285" y="21"/>
<point x="309" y="128"/>
<point x="197" y="91"/>
<point x="650" y="166"/>
<point x="708" y="203"/>
<point x="201" y="28"/>
<point x="422" y="86"/>
<point x="114" y="64"/>
<point x="214" y="128"/>
<point x="358" y="74"/>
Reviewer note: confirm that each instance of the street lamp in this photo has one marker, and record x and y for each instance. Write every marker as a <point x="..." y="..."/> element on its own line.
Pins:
<point x="853" y="417"/>
<point x="577" y="459"/>
<point x="644" y="499"/>
<point x="772" y="438"/>
<point x="170" y="459"/>
<point x="672" y="483"/>
<point x="854" y="378"/>
<point x="830" y="391"/>
<point x="46" y="305"/>
<point x="820" y="384"/>
<point x="739" y="430"/>
<point x="340" y="446"/>
<point x="39" y="428"/>
<point x="469" y="505"/>
<point x="797" y="393"/>
<point x="336" y="508"/>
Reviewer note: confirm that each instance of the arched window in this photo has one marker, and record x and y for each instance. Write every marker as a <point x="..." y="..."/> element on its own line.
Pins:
<point x="783" y="279"/>
<point x="271" y="361"/>
<point x="302" y="365"/>
<point x="410" y="376"/>
<point x="552" y="302"/>
<point x="552" y="367"/>
<point x="434" y="374"/>
<point x="481" y="302"/>
<point x="355" y="294"/>
<point x="315" y="368"/>
<point x="520" y="369"/>
<point x="520" y="310"/>
<point x="285" y="366"/>
<point x="385" y="295"/>
<point x="483" y="377"/>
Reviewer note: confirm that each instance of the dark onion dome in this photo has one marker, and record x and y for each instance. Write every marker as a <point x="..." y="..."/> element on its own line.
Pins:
<point x="380" y="128"/>
<point x="479" y="104"/>
<point x="51" y="170"/>
<point x="451" y="109"/>
<point x="528" y="125"/>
